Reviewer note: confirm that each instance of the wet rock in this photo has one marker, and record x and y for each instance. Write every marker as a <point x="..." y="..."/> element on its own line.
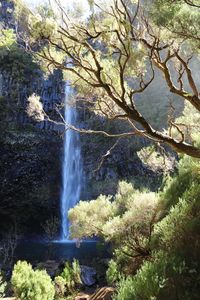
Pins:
<point x="51" y="266"/>
<point x="88" y="275"/>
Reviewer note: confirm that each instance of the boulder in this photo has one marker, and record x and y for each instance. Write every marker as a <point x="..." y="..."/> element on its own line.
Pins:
<point x="51" y="266"/>
<point x="88" y="275"/>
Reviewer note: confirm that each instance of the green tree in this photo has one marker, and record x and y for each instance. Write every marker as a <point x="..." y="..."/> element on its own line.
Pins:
<point x="114" y="54"/>
<point x="30" y="284"/>
<point x="126" y="221"/>
<point x="180" y="17"/>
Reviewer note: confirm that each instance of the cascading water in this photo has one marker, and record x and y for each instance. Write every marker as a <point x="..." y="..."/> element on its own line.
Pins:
<point x="72" y="166"/>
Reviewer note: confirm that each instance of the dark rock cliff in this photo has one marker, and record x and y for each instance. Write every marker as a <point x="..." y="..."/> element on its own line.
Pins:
<point x="30" y="178"/>
<point x="31" y="153"/>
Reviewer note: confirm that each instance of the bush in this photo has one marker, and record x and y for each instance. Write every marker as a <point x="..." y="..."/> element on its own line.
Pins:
<point x="72" y="275"/>
<point x="2" y="286"/>
<point x="60" y="286"/>
<point x="146" y="284"/>
<point x="113" y="274"/>
<point x="30" y="284"/>
<point x="177" y="187"/>
<point x="178" y="227"/>
<point x="125" y="289"/>
<point x="172" y="270"/>
<point x="179" y="230"/>
<point x="155" y="280"/>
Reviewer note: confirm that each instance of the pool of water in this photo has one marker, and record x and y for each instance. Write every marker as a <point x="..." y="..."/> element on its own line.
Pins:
<point x="38" y="251"/>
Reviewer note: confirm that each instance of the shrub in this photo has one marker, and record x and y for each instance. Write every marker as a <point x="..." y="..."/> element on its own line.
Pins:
<point x="2" y="286"/>
<point x="60" y="287"/>
<point x="173" y="229"/>
<point x="172" y="269"/>
<point x="112" y="274"/>
<point x="72" y="275"/>
<point x="125" y="220"/>
<point x="149" y="282"/>
<point x="178" y="232"/>
<point x="30" y="284"/>
<point x="125" y="289"/>
<point x="88" y="217"/>
<point x="175" y="188"/>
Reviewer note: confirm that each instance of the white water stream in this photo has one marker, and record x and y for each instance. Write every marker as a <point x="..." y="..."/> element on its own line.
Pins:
<point x="72" y="166"/>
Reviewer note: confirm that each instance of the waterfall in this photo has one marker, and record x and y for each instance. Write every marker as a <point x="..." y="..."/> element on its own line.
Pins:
<point x="72" y="165"/>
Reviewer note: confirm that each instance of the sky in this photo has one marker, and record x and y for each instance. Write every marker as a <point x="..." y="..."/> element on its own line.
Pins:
<point x="67" y="4"/>
<point x="64" y="3"/>
<point x="83" y="4"/>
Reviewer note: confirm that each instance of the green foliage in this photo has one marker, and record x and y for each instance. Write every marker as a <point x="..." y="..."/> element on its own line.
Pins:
<point x="182" y="202"/>
<point x="165" y="277"/>
<point x="3" y="285"/>
<point x="14" y="59"/>
<point x="140" y="212"/>
<point x="71" y="275"/>
<point x="7" y="41"/>
<point x="42" y="26"/>
<point x="173" y="270"/>
<point x="87" y="218"/>
<point x="156" y="159"/>
<point x="125" y="220"/>
<point x="180" y="225"/>
<point x="189" y="124"/>
<point x="153" y="281"/>
<point x="60" y="286"/>
<point x="125" y="289"/>
<point x="179" y="18"/>
<point x="112" y="274"/>
<point x="130" y="211"/>
<point x="166" y="12"/>
<point x="181" y="185"/>
<point x="30" y="284"/>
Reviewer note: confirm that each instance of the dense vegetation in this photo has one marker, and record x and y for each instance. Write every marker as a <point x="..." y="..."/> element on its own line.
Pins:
<point x="114" y="56"/>
<point x="155" y="237"/>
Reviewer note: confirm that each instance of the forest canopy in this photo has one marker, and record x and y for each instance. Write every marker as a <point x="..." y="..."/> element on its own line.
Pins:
<point x="114" y="55"/>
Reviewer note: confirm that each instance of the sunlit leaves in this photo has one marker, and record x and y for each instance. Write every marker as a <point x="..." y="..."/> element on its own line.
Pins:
<point x="42" y="28"/>
<point x="2" y="286"/>
<point x="129" y="214"/>
<point x="35" y="108"/>
<point x="178" y="18"/>
<point x="88" y="218"/>
<point x="7" y="41"/>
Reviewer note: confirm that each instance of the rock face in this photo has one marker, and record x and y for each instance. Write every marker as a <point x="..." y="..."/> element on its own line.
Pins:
<point x="6" y="14"/>
<point x="51" y="267"/>
<point x="30" y="152"/>
<point x="30" y="178"/>
<point x="104" y="168"/>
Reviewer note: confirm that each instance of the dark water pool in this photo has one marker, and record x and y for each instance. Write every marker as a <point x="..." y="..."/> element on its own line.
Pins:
<point x="34" y="251"/>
